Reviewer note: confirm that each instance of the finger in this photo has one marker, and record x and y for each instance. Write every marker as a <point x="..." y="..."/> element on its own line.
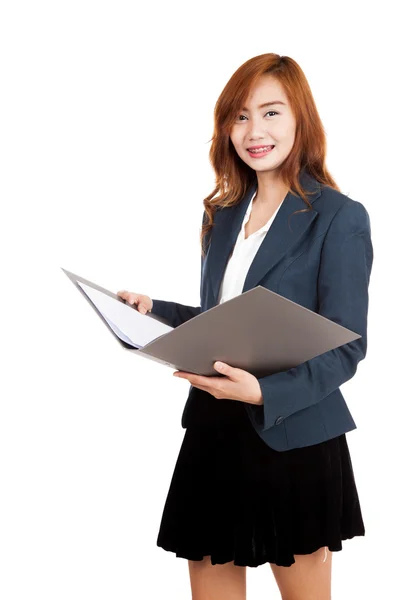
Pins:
<point x="127" y="296"/>
<point x="204" y="388"/>
<point x="216" y="393"/>
<point x="133" y="298"/>
<point x="202" y="381"/>
<point x="191" y="377"/>
<point x="231" y="372"/>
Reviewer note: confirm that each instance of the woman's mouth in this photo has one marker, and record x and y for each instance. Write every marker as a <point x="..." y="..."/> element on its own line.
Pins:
<point x="260" y="152"/>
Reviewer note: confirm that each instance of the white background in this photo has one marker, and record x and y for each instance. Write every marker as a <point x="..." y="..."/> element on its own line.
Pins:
<point x="106" y="114"/>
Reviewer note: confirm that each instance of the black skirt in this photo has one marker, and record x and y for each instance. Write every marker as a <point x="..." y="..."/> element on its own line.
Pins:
<point x="234" y="498"/>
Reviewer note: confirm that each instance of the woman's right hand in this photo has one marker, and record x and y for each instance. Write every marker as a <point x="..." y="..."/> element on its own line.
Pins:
<point x="144" y="303"/>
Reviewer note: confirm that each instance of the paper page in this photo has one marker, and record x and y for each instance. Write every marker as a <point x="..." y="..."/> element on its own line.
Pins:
<point x="126" y="322"/>
<point x="120" y="334"/>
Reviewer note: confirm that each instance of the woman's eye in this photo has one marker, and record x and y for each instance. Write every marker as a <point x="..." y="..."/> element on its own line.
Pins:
<point x="267" y="113"/>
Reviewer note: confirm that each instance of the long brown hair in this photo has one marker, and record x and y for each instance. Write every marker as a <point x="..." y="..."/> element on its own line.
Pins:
<point x="232" y="176"/>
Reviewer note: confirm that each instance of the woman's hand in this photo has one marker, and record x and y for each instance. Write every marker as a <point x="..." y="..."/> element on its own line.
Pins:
<point x="237" y="385"/>
<point x="144" y="303"/>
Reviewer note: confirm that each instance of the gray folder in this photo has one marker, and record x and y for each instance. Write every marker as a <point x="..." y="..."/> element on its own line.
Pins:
<point x="258" y="331"/>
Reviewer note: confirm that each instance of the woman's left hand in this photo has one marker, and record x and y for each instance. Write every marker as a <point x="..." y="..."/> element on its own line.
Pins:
<point x="236" y="385"/>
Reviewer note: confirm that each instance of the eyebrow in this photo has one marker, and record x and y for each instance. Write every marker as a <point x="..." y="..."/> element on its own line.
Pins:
<point x="267" y="104"/>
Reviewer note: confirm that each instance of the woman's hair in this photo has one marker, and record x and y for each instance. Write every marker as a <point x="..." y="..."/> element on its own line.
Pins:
<point x="233" y="177"/>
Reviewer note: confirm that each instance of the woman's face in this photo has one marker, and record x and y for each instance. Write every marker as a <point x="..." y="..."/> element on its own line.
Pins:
<point x="258" y="125"/>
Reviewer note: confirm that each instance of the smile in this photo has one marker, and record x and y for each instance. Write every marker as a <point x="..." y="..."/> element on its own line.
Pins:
<point x="260" y="152"/>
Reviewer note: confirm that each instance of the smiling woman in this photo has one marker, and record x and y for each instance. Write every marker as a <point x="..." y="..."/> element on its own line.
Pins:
<point x="264" y="473"/>
<point x="269" y="86"/>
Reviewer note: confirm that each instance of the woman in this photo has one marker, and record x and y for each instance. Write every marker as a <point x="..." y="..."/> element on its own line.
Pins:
<point x="264" y="472"/>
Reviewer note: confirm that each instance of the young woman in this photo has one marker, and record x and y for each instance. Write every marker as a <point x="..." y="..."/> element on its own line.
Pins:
<point x="264" y="473"/>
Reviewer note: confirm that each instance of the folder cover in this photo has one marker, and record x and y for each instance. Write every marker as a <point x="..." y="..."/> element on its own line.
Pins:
<point x="259" y="331"/>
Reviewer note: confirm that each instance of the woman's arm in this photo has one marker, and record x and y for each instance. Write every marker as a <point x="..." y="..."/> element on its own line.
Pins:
<point x="174" y="312"/>
<point x="345" y="268"/>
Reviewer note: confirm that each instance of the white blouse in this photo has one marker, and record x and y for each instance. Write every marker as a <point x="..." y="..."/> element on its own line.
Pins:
<point x="242" y="257"/>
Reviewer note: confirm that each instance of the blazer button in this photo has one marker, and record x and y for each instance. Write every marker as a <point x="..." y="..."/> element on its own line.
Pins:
<point x="279" y="420"/>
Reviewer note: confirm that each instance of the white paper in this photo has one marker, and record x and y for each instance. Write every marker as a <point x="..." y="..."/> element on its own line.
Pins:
<point x="126" y="322"/>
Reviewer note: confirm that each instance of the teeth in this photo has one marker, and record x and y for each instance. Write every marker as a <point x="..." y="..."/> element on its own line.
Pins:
<point x="260" y="149"/>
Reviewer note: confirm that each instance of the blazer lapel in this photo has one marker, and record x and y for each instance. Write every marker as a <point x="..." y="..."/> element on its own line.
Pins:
<point x="278" y="240"/>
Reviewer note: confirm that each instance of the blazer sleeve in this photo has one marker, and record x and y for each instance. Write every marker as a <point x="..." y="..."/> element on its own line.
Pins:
<point x="343" y="280"/>
<point x="174" y="312"/>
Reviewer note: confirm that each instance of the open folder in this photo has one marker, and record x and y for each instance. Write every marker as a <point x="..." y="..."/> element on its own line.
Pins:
<point x="258" y="331"/>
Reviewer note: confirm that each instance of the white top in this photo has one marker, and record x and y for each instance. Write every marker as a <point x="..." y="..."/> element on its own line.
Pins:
<point x="242" y="257"/>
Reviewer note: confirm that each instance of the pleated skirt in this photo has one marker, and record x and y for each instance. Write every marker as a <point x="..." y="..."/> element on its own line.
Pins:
<point x="234" y="498"/>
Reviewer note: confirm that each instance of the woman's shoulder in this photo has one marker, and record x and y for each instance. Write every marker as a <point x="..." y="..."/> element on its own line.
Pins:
<point x="337" y="207"/>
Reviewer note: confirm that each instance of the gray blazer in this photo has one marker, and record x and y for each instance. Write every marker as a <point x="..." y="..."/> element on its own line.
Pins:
<point x="322" y="260"/>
